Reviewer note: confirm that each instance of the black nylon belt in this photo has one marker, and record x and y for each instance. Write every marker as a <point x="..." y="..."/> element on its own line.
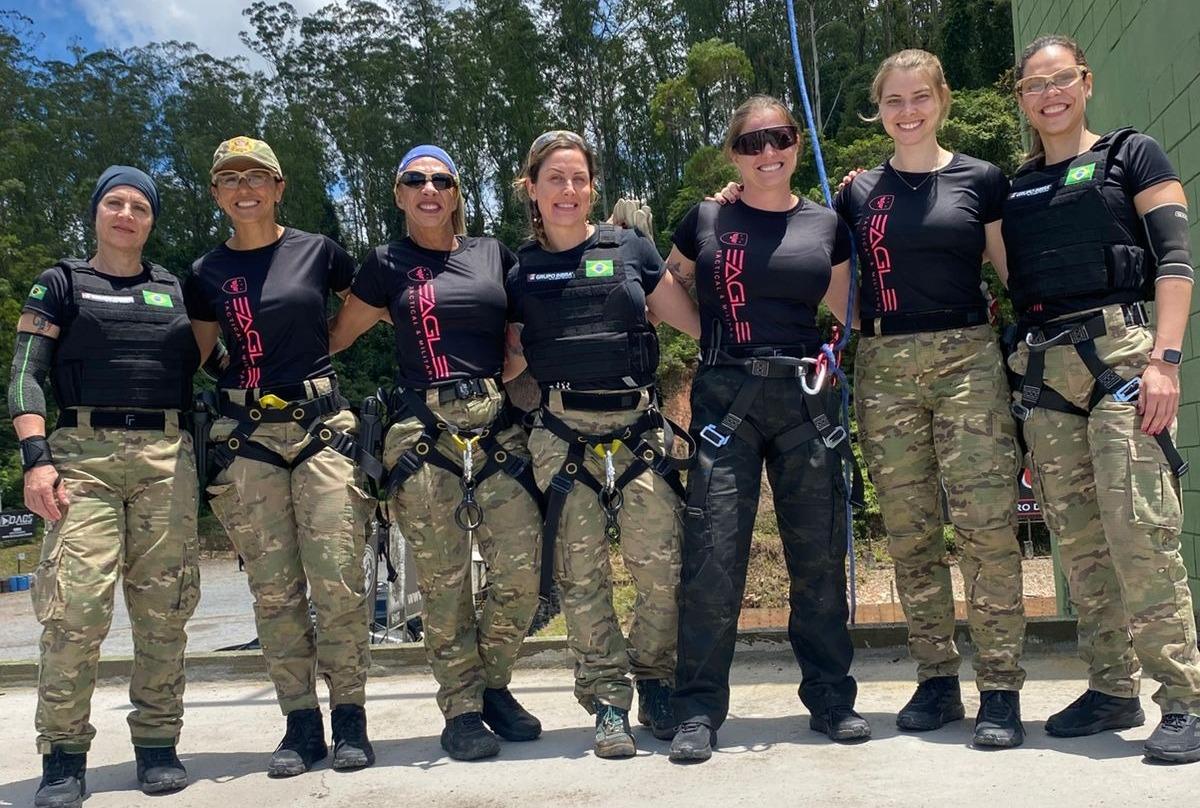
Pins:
<point x="917" y="322"/>
<point x="715" y="436"/>
<point x="468" y="514"/>
<point x="462" y="390"/>
<point x="596" y="402"/>
<point x="646" y="457"/>
<point x="116" y="419"/>
<point x="1082" y="334"/>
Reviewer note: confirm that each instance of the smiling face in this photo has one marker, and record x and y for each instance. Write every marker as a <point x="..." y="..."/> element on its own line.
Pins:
<point x="1055" y="111"/>
<point x="124" y="218"/>
<point x="246" y="205"/>
<point x="427" y="208"/>
<point x="562" y="190"/>
<point x="771" y="169"/>
<point x="910" y="106"/>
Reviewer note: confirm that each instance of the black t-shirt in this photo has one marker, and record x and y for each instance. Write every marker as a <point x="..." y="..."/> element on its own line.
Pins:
<point x="271" y="303"/>
<point x="52" y="297"/>
<point x="1138" y="163"/>
<point x="761" y="274"/>
<point x="448" y="307"/>
<point x="920" y="250"/>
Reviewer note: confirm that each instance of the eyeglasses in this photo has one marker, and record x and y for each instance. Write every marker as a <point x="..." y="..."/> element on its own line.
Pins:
<point x="229" y="180"/>
<point x="417" y="179"/>
<point x="554" y="134"/>
<point x="1062" y="79"/>
<point x="752" y="143"/>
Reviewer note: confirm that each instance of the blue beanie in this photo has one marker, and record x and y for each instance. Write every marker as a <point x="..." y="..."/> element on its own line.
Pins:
<point x="426" y="151"/>
<point x="125" y="175"/>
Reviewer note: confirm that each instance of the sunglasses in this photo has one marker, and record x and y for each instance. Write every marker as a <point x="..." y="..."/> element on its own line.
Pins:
<point x="554" y="134"/>
<point x="1063" y="79"/>
<point x="229" y="180"/>
<point x="778" y="137"/>
<point x="417" y="179"/>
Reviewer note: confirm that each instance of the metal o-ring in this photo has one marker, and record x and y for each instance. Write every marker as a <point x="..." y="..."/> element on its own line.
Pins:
<point x="571" y="468"/>
<point x="648" y="456"/>
<point x="234" y="443"/>
<point x="255" y="414"/>
<point x="325" y="434"/>
<point x="422" y="449"/>
<point x="582" y="439"/>
<point x="298" y="413"/>
<point x="501" y="456"/>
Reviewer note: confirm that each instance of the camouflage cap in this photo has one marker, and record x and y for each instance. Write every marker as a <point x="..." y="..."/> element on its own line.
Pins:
<point x="242" y="148"/>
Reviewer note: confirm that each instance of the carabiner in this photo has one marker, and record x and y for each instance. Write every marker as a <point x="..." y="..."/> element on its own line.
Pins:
<point x="468" y="515"/>
<point x="821" y="367"/>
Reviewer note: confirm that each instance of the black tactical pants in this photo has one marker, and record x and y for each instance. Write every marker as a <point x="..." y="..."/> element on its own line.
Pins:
<point x="809" y="494"/>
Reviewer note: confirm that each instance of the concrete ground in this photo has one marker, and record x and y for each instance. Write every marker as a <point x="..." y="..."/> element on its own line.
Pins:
<point x="767" y="755"/>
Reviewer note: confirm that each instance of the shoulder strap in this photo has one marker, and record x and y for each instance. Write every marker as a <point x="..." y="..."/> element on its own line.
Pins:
<point x="607" y="235"/>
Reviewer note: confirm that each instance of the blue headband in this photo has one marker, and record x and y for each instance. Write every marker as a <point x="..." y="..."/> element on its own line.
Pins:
<point x="125" y="175"/>
<point x="426" y="151"/>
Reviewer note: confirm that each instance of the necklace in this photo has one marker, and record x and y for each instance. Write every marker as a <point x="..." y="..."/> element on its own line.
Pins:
<point x="928" y="175"/>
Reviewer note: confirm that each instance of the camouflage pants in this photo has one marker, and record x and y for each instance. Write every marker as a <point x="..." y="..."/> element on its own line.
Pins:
<point x="934" y="406"/>
<point x="650" y="538"/>
<point x="132" y="514"/>
<point x="469" y="654"/>
<point x="301" y="533"/>
<point x="1108" y="494"/>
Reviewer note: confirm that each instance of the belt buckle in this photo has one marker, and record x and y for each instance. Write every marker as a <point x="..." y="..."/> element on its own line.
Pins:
<point x="836" y="436"/>
<point x="462" y="389"/>
<point x="713" y="436"/>
<point x="1128" y="391"/>
<point x="1020" y="411"/>
<point x="272" y="402"/>
<point x="760" y="367"/>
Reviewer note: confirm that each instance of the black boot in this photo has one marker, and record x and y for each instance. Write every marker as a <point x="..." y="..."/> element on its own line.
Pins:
<point x="64" y="780"/>
<point x="507" y="718"/>
<point x="841" y="723"/>
<point x="937" y="701"/>
<point x="1176" y="739"/>
<point x="999" y="720"/>
<point x="614" y="739"/>
<point x="159" y="769"/>
<point x="466" y="738"/>
<point x="303" y="744"/>
<point x="1095" y="712"/>
<point x="654" y="708"/>
<point x="351" y="749"/>
<point x="693" y="742"/>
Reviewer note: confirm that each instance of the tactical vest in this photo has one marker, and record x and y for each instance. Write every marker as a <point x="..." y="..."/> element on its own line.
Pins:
<point x="588" y="329"/>
<point x="1062" y="238"/>
<point x="130" y="347"/>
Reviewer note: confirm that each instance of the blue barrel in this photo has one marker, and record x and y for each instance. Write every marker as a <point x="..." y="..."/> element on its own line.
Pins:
<point x="14" y="583"/>
<point x="26" y="580"/>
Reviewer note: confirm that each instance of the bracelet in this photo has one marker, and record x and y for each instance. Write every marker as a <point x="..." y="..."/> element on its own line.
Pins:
<point x="35" y="452"/>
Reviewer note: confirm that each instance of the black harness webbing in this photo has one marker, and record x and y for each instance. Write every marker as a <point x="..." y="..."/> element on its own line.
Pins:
<point x="734" y="424"/>
<point x="646" y="457"/>
<point x="468" y="514"/>
<point x="1082" y="335"/>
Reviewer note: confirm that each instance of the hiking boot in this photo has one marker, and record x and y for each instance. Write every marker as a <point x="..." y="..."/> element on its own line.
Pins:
<point x="159" y="769"/>
<point x="351" y="749"/>
<point x="507" y="718"/>
<point x="614" y="739"/>
<point x="303" y="744"/>
<point x="466" y="738"/>
<point x="999" y="720"/>
<point x="1176" y="739"/>
<point x="64" y="780"/>
<point x="841" y="723"/>
<point x="693" y="742"/>
<point x="654" y="708"/>
<point x="936" y="702"/>
<point x="1095" y="712"/>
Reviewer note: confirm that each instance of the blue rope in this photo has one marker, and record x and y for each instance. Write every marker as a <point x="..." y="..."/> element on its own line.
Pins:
<point x="830" y="351"/>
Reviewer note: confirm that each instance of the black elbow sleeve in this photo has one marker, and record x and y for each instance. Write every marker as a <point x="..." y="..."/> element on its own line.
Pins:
<point x="1167" y="229"/>
<point x="30" y="366"/>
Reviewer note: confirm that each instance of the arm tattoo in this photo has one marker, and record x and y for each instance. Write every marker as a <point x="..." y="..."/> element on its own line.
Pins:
<point x="688" y="281"/>
<point x="40" y="323"/>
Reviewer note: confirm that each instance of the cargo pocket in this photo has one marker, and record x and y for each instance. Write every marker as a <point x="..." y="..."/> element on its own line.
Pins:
<point x="360" y="508"/>
<point x="189" y="583"/>
<point x="225" y="503"/>
<point x="1153" y="489"/>
<point x="48" y="601"/>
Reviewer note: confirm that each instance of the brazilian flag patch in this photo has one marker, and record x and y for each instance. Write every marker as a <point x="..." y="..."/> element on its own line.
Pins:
<point x="37" y="292"/>
<point x="1080" y="174"/>
<point x="157" y="299"/>
<point x="602" y="268"/>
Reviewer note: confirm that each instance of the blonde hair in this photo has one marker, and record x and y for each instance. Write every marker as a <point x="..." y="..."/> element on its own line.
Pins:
<point x="458" y="217"/>
<point x="753" y="104"/>
<point x="912" y="59"/>
<point x="543" y="146"/>
<point x="1036" y="149"/>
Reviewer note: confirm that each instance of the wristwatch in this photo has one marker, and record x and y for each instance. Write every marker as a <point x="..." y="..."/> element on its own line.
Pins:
<point x="1171" y="357"/>
<point x="35" y="451"/>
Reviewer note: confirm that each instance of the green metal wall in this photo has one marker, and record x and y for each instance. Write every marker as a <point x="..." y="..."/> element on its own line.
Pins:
<point x="1146" y="57"/>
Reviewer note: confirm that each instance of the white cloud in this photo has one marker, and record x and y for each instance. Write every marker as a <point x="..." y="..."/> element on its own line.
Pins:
<point x="211" y="24"/>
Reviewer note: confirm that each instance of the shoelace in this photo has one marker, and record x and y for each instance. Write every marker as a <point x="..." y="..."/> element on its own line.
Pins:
<point x="689" y="726"/>
<point x="159" y="756"/>
<point x="60" y="768"/>
<point x="927" y="693"/>
<point x="995" y="708"/>
<point x="611" y="722"/>
<point x="1175" y="722"/>
<point x="353" y="727"/>
<point x="471" y="721"/>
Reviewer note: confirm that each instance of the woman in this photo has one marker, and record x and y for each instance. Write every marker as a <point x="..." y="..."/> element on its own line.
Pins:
<point x="116" y="483"/>
<point x="761" y="266"/>
<point x="1094" y="226"/>
<point x="444" y="292"/>
<point x="601" y="449"/>
<point x="931" y="398"/>
<point x="285" y="467"/>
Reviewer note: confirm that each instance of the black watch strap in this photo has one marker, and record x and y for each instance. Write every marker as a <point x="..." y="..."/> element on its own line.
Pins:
<point x="1172" y="356"/>
<point x="35" y="452"/>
